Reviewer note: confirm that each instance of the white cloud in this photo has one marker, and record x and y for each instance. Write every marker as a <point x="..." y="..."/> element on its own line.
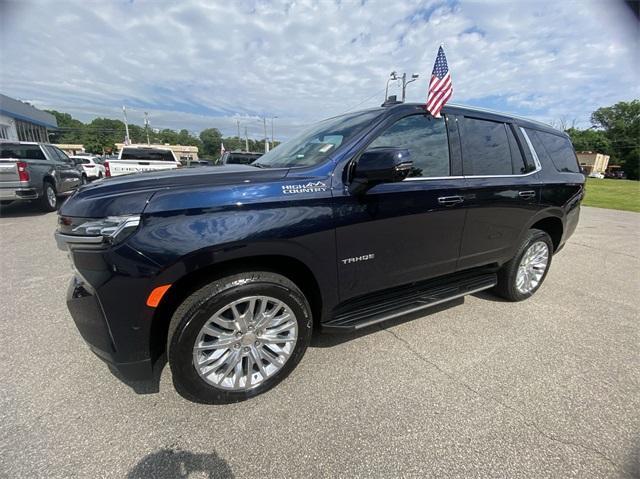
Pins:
<point x="198" y="64"/>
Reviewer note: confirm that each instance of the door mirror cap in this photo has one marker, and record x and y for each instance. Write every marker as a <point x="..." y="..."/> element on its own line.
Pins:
<point x="380" y="165"/>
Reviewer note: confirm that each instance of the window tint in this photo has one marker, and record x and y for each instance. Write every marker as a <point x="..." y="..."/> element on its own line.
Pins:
<point x="560" y="150"/>
<point x="21" y="152"/>
<point x="425" y="138"/>
<point x="147" y="154"/>
<point x="519" y="166"/>
<point x="485" y="148"/>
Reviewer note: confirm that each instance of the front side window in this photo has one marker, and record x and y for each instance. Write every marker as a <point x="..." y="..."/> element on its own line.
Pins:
<point x="63" y="156"/>
<point x="426" y="139"/>
<point x="485" y="148"/>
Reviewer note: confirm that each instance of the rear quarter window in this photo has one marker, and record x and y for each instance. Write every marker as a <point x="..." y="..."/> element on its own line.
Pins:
<point x="559" y="149"/>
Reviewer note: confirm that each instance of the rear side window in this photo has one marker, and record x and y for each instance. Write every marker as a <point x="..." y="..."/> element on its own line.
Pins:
<point x="147" y="154"/>
<point x="485" y="148"/>
<point x="426" y="139"/>
<point x="560" y="150"/>
<point x="21" y="152"/>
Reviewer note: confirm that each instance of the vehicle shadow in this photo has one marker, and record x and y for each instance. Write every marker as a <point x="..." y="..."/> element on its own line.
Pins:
<point x="176" y="463"/>
<point x="149" y="386"/>
<point x="22" y="208"/>
<point x="326" y="339"/>
<point x="487" y="296"/>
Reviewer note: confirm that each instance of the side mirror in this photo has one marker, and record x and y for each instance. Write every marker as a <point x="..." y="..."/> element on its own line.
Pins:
<point x="380" y="165"/>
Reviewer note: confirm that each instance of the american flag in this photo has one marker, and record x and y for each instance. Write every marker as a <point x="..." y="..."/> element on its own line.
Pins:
<point x="440" y="88"/>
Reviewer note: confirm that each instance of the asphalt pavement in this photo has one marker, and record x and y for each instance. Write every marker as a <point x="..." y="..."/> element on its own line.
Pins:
<point x="549" y="387"/>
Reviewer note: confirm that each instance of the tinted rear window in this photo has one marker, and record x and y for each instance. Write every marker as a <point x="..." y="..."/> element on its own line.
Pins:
<point x="147" y="154"/>
<point x="21" y="152"/>
<point x="560" y="150"/>
<point x="240" y="159"/>
<point x="485" y="148"/>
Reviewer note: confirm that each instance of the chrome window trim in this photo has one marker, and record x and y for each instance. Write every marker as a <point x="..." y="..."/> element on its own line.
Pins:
<point x="536" y="160"/>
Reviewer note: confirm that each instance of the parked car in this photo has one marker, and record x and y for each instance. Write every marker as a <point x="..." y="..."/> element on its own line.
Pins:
<point x="36" y="171"/>
<point x="596" y="174"/>
<point x="137" y="158"/>
<point x="239" y="157"/>
<point x="365" y="217"/>
<point x="90" y="165"/>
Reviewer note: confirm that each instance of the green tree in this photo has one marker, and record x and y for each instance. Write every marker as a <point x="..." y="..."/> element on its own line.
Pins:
<point x="103" y="133"/>
<point x="211" y="140"/>
<point x="69" y="129"/>
<point x="590" y="140"/>
<point x="621" y="125"/>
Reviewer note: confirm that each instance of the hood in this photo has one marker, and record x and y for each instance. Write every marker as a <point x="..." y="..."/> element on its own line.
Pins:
<point x="129" y="194"/>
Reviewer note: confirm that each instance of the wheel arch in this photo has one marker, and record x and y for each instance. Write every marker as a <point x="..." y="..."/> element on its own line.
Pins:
<point x="553" y="226"/>
<point x="48" y="178"/>
<point x="290" y="267"/>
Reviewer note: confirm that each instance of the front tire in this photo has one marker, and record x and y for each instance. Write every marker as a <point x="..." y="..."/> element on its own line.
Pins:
<point x="49" y="198"/>
<point x="521" y="277"/>
<point x="238" y="337"/>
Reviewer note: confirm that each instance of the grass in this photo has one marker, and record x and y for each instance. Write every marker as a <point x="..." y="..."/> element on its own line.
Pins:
<point x="613" y="194"/>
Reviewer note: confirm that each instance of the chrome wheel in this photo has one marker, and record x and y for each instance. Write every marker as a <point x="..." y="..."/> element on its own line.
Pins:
<point x="532" y="267"/>
<point x="51" y="196"/>
<point x="245" y="342"/>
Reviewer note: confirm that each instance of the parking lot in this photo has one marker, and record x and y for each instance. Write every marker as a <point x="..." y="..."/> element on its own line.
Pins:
<point x="479" y="388"/>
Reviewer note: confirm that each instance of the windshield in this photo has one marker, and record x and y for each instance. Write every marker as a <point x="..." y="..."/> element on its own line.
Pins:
<point x="316" y="144"/>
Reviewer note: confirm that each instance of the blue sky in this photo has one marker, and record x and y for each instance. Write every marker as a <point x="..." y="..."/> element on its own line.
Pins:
<point x="197" y="64"/>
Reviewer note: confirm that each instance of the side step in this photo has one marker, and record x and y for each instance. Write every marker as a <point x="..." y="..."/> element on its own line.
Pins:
<point x="369" y="310"/>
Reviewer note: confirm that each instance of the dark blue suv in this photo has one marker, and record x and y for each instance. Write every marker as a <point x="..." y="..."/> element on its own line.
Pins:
<point x="362" y="218"/>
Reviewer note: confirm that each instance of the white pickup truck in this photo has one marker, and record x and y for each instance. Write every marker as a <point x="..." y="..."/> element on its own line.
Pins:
<point x="137" y="158"/>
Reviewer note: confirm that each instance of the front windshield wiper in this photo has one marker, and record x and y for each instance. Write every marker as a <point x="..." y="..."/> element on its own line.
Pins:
<point x="259" y="165"/>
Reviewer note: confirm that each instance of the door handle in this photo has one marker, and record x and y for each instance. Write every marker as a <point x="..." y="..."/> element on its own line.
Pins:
<point x="450" y="200"/>
<point x="529" y="194"/>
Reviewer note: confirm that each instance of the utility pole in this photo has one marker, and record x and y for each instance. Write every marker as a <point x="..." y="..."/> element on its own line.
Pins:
<point x="238" y="123"/>
<point x="127" y="141"/>
<point x="266" y="138"/>
<point x="246" y="139"/>
<point x="146" y="126"/>
<point x="272" y="139"/>
<point x="414" y="77"/>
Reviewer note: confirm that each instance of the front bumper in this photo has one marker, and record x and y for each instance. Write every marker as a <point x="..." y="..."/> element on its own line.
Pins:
<point x="88" y="314"/>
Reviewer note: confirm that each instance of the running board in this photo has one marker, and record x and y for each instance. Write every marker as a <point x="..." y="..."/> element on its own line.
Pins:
<point x="364" y="312"/>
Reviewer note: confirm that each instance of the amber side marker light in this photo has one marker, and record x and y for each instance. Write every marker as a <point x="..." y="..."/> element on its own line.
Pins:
<point x="156" y="295"/>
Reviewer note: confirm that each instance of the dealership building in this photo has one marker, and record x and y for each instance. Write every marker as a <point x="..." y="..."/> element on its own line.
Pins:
<point x="19" y="121"/>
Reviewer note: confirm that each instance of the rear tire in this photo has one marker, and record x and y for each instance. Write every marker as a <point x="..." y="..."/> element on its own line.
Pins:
<point x="238" y="337"/>
<point x="521" y="277"/>
<point x="49" y="198"/>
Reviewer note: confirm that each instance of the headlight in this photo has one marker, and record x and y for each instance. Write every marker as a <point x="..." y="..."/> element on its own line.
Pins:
<point x="113" y="229"/>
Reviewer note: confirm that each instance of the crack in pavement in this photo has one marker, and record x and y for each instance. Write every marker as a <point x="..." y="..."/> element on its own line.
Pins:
<point x="504" y="405"/>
